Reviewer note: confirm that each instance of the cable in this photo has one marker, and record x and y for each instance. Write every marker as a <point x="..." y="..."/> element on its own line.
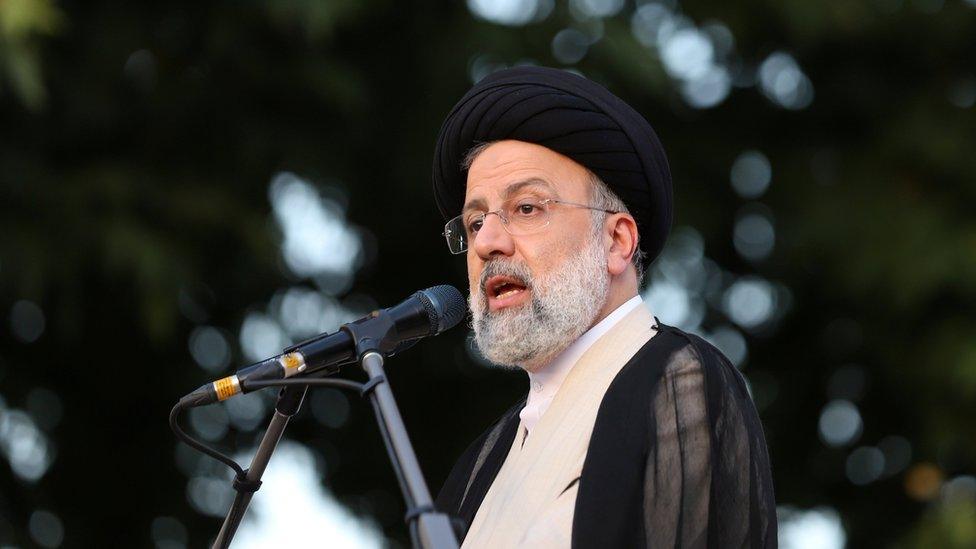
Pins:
<point x="227" y="460"/>
<point x="338" y="383"/>
<point x="196" y="444"/>
<point x="364" y="389"/>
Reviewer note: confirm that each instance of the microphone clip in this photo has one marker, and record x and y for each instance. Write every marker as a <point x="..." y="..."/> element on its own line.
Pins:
<point x="374" y="333"/>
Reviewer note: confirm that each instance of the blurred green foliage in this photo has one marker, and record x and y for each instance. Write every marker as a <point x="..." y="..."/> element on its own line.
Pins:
<point x="136" y="147"/>
<point x="23" y="25"/>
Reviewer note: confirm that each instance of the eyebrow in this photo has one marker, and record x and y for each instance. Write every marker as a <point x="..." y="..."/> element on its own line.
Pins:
<point x="479" y="203"/>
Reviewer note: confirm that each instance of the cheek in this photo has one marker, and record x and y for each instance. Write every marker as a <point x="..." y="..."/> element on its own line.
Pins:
<point x="474" y="270"/>
<point x="538" y="255"/>
<point x="543" y="256"/>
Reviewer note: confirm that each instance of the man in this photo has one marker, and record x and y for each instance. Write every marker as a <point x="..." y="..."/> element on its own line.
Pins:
<point x="633" y="433"/>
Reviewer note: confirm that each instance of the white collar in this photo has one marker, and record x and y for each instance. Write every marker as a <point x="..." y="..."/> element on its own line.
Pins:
<point x="544" y="382"/>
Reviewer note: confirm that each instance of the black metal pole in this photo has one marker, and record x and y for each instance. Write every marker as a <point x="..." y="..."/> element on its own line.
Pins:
<point x="434" y="530"/>
<point x="289" y="402"/>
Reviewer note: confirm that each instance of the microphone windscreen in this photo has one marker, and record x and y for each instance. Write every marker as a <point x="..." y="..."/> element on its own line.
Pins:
<point x="445" y="307"/>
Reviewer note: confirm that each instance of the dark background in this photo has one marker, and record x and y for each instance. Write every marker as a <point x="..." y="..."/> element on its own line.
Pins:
<point x="143" y="148"/>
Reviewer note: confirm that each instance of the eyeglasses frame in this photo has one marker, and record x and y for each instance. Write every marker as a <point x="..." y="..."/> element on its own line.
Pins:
<point x="498" y="212"/>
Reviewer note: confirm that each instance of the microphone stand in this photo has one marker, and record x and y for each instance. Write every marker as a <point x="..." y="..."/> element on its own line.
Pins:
<point x="289" y="402"/>
<point x="428" y="528"/>
<point x="374" y="339"/>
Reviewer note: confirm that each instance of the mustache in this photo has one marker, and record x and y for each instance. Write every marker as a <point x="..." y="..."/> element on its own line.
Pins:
<point x="510" y="268"/>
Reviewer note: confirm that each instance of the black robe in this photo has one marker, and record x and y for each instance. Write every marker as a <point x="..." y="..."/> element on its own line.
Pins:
<point x="659" y="470"/>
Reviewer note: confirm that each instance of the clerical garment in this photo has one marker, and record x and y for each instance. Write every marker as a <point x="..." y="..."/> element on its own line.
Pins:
<point x="650" y="442"/>
<point x="545" y="382"/>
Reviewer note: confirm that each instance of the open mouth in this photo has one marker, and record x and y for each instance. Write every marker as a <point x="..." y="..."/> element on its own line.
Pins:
<point x="503" y="291"/>
<point x="503" y="286"/>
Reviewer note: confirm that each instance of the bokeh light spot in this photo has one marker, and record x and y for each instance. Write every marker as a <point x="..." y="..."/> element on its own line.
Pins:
<point x="596" y="8"/>
<point x="754" y="236"/>
<point x="26" y="321"/>
<point x="668" y="301"/>
<point x="960" y="488"/>
<point x="722" y="39"/>
<point x="865" y="465"/>
<point x="682" y="261"/>
<point x="246" y="412"/>
<point x="168" y="533"/>
<point x="511" y="12"/>
<point x="317" y="239"/>
<point x="300" y="311"/>
<point x="210" y="496"/>
<point x="140" y="69"/>
<point x="647" y="21"/>
<point x="46" y="529"/>
<point x="923" y="481"/>
<point x="569" y="46"/>
<point x="784" y="83"/>
<point x="24" y="445"/>
<point x="709" y="89"/>
<point x="210" y="422"/>
<point x="294" y="510"/>
<point x="731" y="342"/>
<point x="209" y="348"/>
<point x="962" y="93"/>
<point x="840" y="423"/>
<point x="482" y="65"/>
<point x="751" y="174"/>
<point x="687" y="54"/>
<point x="261" y="337"/>
<point x="818" y="528"/>
<point x="750" y="301"/>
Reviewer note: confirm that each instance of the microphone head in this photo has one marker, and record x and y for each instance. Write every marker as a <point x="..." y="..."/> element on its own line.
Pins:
<point x="444" y="305"/>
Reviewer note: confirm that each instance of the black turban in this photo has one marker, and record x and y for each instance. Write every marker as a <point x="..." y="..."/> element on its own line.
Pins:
<point x="572" y="116"/>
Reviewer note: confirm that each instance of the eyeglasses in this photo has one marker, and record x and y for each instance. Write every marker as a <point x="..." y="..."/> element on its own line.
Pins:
<point x="520" y="217"/>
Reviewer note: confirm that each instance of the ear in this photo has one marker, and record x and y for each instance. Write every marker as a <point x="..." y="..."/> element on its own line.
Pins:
<point x="621" y="230"/>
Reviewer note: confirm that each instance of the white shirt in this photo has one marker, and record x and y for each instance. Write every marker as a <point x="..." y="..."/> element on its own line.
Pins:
<point x="544" y="383"/>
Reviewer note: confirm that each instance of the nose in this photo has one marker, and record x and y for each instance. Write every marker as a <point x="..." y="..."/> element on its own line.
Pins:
<point x="492" y="239"/>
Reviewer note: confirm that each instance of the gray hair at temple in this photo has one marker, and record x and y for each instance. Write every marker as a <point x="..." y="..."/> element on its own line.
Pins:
<point x="600" y="194"/>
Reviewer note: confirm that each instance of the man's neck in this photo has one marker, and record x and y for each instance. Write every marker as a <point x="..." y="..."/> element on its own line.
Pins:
<point x="622" y="289"/>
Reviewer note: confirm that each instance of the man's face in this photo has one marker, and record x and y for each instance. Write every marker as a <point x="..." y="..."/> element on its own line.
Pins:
<point x="532" y="294"/>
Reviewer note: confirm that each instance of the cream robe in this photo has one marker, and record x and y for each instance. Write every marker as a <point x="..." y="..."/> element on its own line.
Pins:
<point x="528" y="504"/>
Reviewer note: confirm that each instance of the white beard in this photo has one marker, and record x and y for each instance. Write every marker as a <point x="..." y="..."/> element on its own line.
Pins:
<point x="564" y="305"/>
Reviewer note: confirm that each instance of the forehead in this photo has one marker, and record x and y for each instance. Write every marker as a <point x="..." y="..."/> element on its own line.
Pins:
<point x="507" y="163"/>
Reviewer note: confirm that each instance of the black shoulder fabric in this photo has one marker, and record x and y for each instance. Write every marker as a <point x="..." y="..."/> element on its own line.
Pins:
<point x="473" y="473"/>
<point x="609" y="510"/>
<point x="677" y="457"/>
<point x="740" y="457"/>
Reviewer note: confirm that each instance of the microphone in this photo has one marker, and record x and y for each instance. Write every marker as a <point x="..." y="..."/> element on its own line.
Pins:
<point x="388" y="331"/>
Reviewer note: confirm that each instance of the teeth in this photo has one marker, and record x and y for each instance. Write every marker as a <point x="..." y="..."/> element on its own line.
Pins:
<point x="509" y="292"/>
